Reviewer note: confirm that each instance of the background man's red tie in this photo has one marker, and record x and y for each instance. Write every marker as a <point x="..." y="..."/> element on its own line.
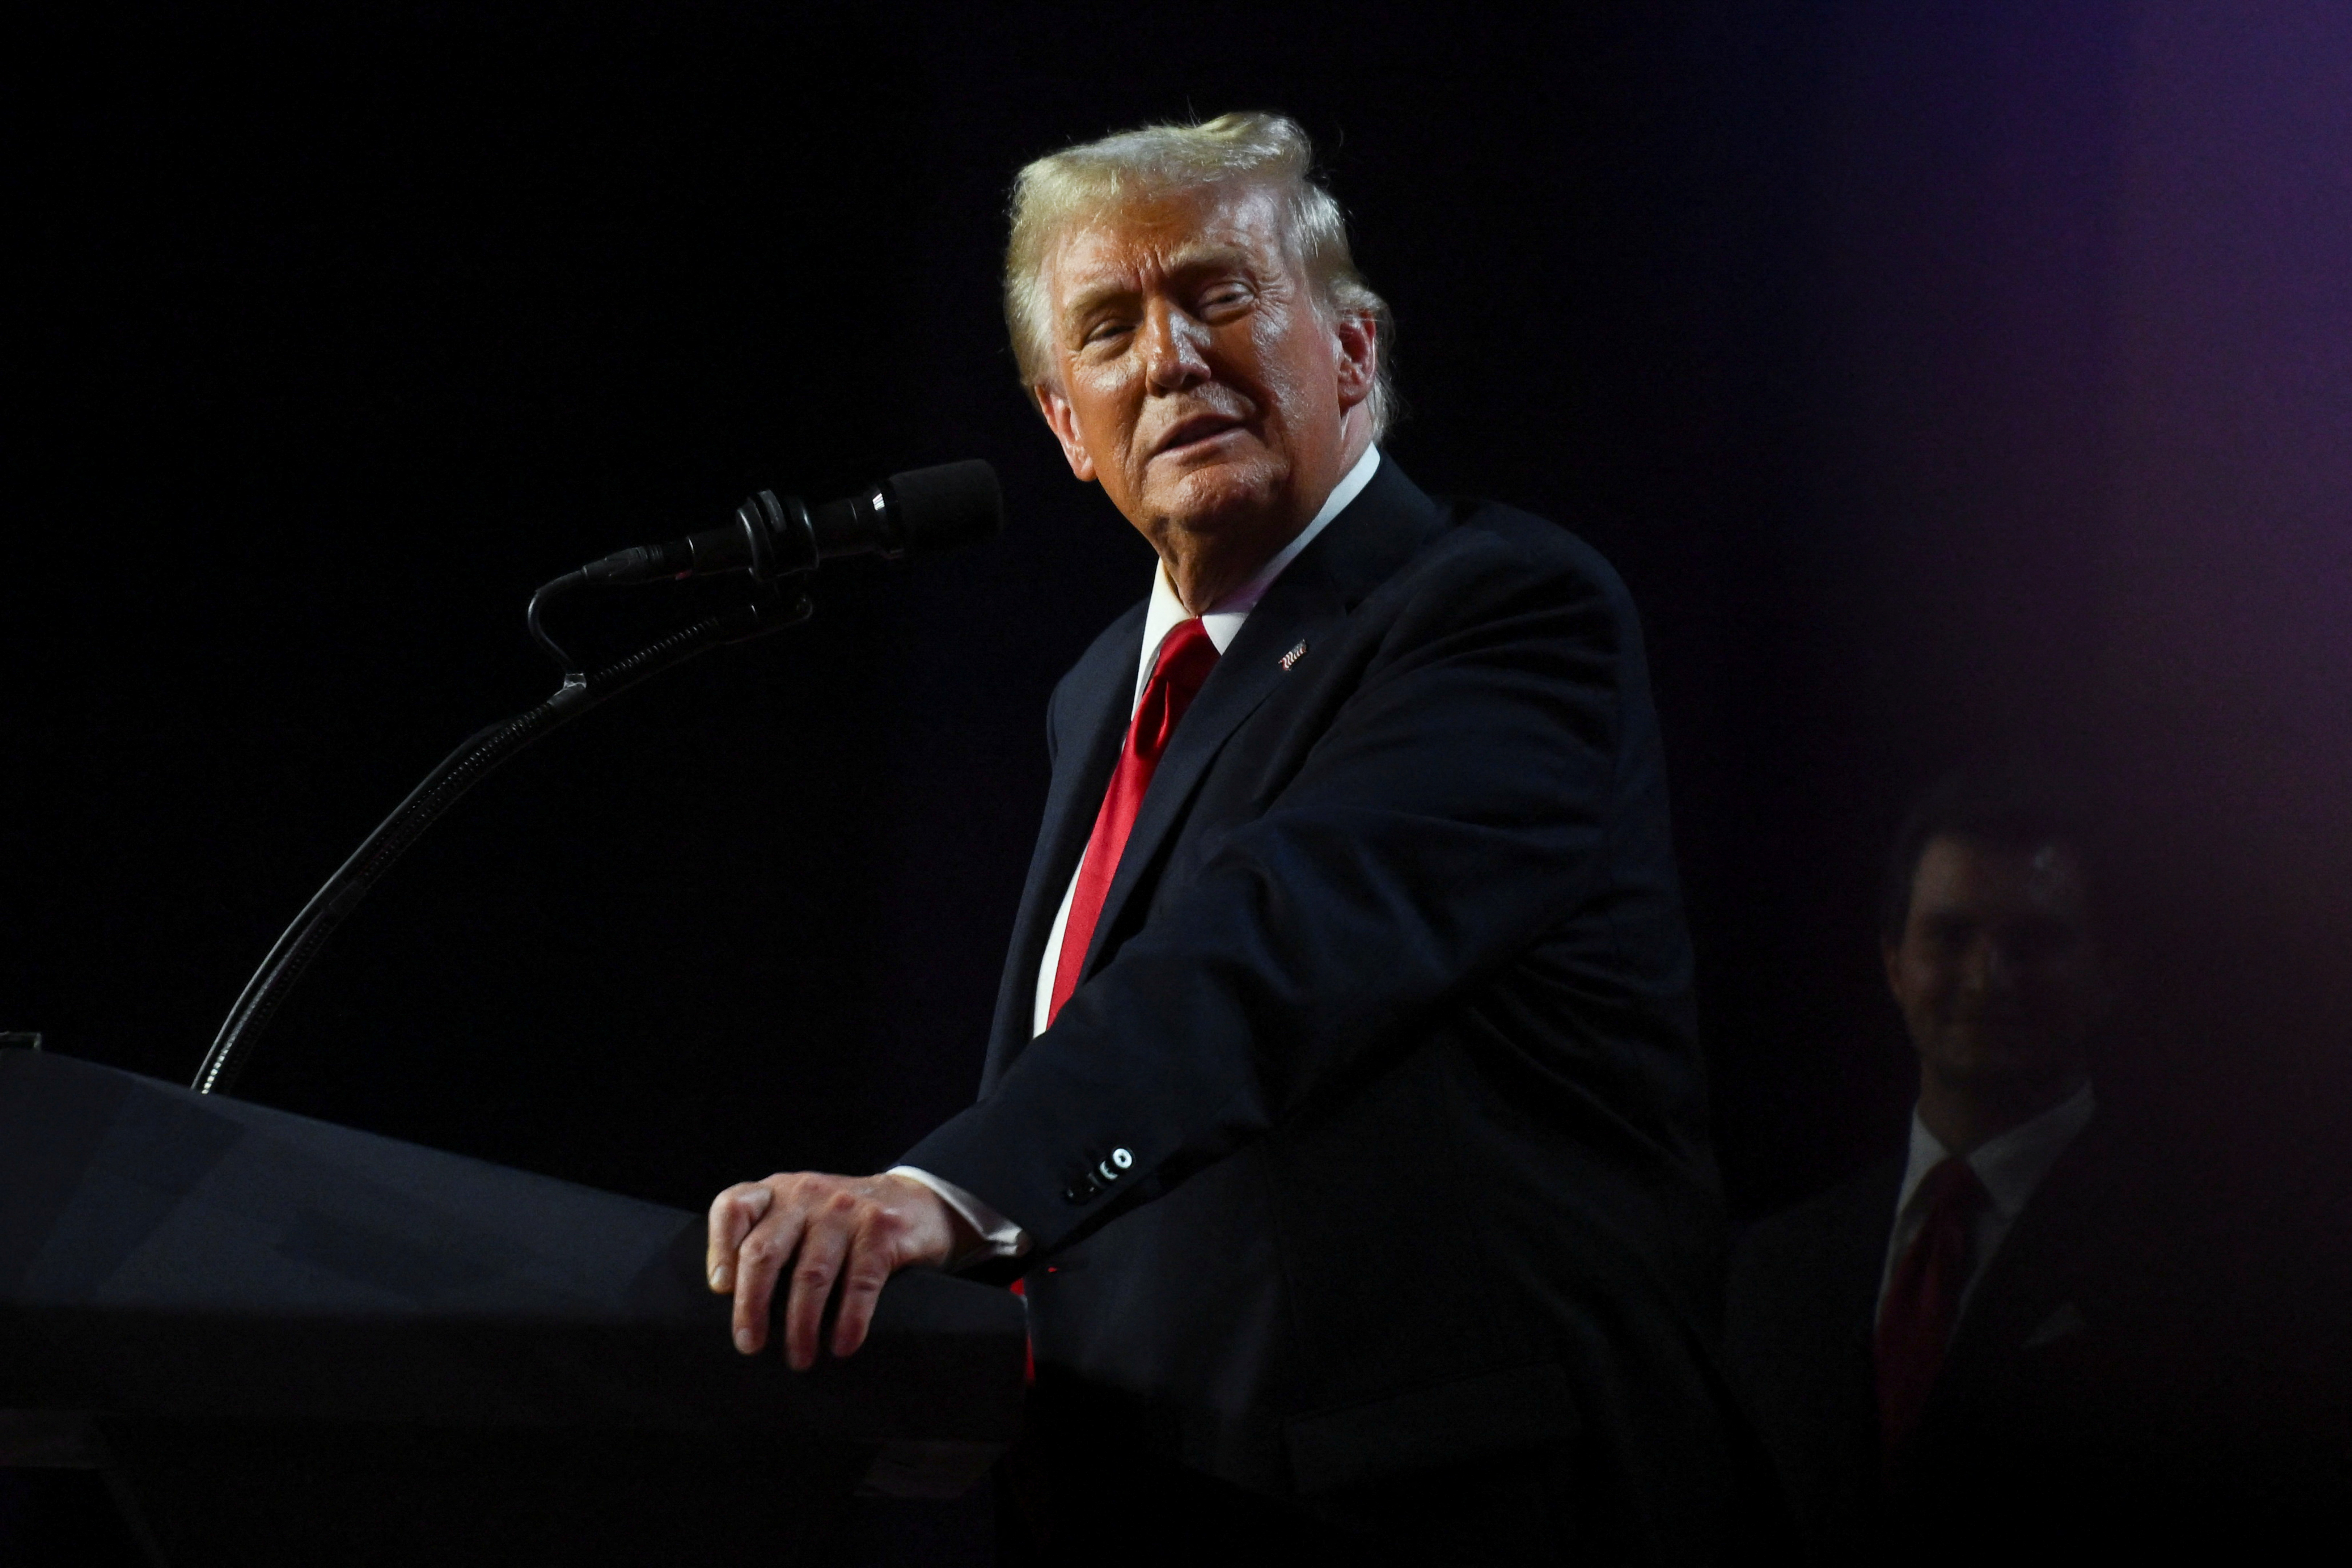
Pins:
<point x="1923" y="1299"/>
<point x="1186" y="657"/>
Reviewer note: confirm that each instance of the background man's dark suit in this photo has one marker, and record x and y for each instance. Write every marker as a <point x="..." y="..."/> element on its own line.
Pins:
<point x="2110" y="1386"/>
<point x="1797" y="1333"/>
<point x="1389" y="1007"/>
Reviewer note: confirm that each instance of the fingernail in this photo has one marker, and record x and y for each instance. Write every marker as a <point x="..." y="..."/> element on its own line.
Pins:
<point x="719" y="1277"/>
<point x="744" y="1340"/>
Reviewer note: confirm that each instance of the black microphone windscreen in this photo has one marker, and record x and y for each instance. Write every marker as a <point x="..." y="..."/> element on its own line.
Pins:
<point x="946" y="508"/>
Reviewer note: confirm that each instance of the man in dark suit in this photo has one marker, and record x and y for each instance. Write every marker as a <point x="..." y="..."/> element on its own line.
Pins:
<point x="1342" y="1116"/>
<point x="2019" y="1339"/>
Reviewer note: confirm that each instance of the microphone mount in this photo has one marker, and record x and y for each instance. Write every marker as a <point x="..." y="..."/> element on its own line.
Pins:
<point x="777" y="537"/>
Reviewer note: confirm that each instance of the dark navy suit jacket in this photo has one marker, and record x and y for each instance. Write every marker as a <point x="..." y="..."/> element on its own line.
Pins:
<point x="1374" y="1137"/>
<point x="2118" y="1388"/>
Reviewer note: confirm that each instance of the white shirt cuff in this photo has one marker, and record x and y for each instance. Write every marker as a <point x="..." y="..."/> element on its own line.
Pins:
<point x="999" y="1235"/>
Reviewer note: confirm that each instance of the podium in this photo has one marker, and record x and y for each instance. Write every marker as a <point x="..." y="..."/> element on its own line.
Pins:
<point x="289" y="1341"/>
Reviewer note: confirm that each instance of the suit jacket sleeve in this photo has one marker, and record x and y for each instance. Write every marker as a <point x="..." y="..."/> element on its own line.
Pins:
<point x="1449" y="807"/>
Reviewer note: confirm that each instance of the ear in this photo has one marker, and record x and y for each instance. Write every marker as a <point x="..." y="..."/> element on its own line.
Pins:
<point x="1357" y="337"/>
<point x="1063" y="420"/>
<point x="1890" y="955"/>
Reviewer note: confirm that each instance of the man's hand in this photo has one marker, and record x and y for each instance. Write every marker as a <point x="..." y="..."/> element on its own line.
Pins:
<point x="856" y="1230"/>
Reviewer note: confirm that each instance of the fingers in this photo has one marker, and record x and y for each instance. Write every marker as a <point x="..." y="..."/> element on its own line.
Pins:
<point x="872" y="1259"/>
<point x="766" y="1248"/>
<point x="732" y="1214"/>
<point x="824" y="1242"/>
<point x="832" y="1232"/>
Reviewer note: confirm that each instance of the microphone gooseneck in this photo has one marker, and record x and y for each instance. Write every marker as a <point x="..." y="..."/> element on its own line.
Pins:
<point x="776" y="540"/>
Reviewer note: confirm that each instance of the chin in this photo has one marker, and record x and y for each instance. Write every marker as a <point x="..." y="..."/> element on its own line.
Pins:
<point x="1220" y="496"/>
<point x="1993" y="1062"/>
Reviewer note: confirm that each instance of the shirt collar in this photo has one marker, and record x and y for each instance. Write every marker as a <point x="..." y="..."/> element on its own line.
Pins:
<point x="2011" y="1166"/>
<point x="1224" y="622"/>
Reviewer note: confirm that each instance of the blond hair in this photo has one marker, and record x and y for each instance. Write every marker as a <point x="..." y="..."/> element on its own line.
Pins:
<point x="1080" y="184"/>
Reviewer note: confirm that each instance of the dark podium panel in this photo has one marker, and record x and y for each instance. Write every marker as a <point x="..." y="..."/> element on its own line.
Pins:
<point x="290" y="1342"/>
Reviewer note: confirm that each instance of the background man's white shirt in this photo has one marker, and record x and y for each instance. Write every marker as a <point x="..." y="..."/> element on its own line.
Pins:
<point x="2011" y="1167"/>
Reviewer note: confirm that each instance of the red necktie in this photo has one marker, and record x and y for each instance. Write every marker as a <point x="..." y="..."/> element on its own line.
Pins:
<point x="1915" y="1327"/>
<point x="1186" y="657"/>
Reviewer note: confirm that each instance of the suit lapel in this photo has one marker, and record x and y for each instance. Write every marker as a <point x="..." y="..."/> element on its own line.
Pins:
<point x="2036" y="1270"/>
<point x="1376" y="532"/>
<point x="1095" y="706"/>
<point x="1375" y="535"/>
<point x="1852" y="1330"/>
<point x="1246" y="675"/>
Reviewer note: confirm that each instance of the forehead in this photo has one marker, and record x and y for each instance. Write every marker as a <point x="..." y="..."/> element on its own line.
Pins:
<point x="1135" y="242"/>
<point x="1992" y="881"/>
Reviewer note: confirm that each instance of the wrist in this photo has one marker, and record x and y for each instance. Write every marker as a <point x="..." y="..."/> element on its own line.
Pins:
<point x="952" y="1236"/>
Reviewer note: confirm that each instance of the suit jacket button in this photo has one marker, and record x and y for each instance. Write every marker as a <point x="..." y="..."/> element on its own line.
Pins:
<point x="1122" y="1158"/>
<point x="1081" y="1191"/>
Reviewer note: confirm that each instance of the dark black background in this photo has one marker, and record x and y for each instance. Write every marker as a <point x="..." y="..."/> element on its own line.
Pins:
<point x="340" y="335"/>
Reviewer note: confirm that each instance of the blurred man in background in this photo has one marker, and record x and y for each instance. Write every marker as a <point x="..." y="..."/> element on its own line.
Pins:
<point x="2021" y="1335"/>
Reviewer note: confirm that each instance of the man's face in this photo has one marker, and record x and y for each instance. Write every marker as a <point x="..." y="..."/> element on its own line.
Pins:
<point x="1996" y="973"/>
<point x="1194" y="372"/>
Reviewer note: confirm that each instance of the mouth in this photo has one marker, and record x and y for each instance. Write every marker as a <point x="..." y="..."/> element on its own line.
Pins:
<point x="1198" y="430"/>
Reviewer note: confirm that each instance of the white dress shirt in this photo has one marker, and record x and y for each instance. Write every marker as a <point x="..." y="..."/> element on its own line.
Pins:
<point x="1166" y="611"/>
<point x="2011" y="1167"/>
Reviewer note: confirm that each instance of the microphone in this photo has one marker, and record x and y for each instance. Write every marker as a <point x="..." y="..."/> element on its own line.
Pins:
<point x="919" y="512"/>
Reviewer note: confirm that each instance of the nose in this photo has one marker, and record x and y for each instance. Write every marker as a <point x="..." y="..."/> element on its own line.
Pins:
<point x="1174" y="348"/>
<point x="1992" y="968"/>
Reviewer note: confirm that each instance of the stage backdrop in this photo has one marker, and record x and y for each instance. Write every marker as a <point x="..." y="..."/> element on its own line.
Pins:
<point x="1944" y="379"/>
